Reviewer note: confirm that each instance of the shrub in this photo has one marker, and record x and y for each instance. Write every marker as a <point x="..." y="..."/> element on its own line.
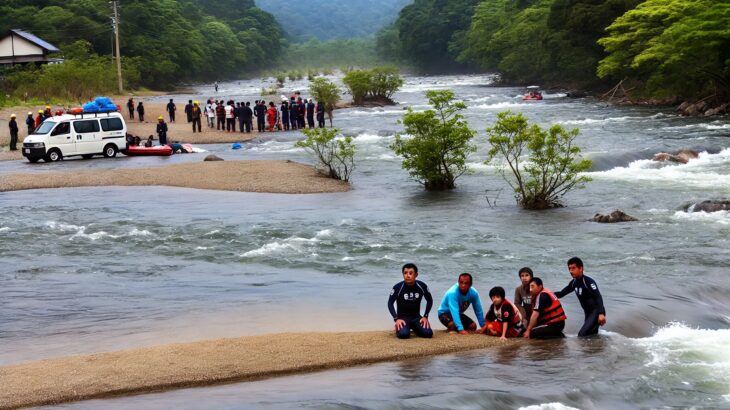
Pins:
<point x="280" y="79"/>
<point x="552" y="168"/>
<point x="436" y="154"/>
<point x="336" y="156"/>
<point x="325" y="92"/>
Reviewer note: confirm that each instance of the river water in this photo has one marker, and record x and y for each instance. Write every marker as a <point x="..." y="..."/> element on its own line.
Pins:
<point x="98" y="269"/>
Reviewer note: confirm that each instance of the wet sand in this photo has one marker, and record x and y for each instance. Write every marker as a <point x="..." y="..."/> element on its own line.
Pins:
<point x="243" y="176"/>
<point x="180" y="130"/>
<point x="213" y="362"/>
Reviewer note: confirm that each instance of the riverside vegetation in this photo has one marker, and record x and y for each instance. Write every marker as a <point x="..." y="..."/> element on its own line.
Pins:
<point x="335" y="156"/>
<point x="666" y="50"/>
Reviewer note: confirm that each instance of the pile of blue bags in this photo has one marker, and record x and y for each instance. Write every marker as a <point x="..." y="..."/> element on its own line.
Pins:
<point x="100" y="104"/>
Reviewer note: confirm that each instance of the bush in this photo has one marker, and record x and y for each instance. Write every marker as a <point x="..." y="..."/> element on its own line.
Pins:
<point x="436" y="154"/>
<point x="325" y="92"/>
<point x="280" y="79"/>
<point x="335" y="155"/>
<point x="552" y="168"/>
<point x="378" y="83"/>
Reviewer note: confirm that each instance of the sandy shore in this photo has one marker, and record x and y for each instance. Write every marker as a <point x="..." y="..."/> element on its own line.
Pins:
<point x="244" y="176"/>
<point x="213" y="362"/>
<point x="178" y="131"/>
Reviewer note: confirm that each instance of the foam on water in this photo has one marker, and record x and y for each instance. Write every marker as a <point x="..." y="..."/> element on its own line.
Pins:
<point x="719" y="217"/>
<point x="693" y="358"/>
<point x="715" y="125"/>
<point x="4" y="229"/>
<point x="290" y="245"/>
<point x="707" y="171"/>
<point x="548" y="406"/>
<point x="499" y="105"/>
<point x="80" y="232"/>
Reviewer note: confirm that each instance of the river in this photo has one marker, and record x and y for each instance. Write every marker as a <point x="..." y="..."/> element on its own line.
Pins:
<point x="98" y="269"/>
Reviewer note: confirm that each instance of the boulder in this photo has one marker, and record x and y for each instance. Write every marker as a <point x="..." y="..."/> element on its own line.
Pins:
<point x="682" y="157"/>
<point x="682" y="107"/>
<point x="615" y="216"/>
<point x="212" y="157"/>
<point x="710" y="205"/>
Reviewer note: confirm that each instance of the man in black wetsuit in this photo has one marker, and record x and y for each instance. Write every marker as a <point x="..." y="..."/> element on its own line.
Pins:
<point x="407" y="296"/>
<point x="589" y="296"/>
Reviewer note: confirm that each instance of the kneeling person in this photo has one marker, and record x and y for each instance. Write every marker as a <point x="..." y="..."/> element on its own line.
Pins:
<point x="548" y="317"/>
<point x="407" y="296"/>
<point x="503" y="318"/>
<point x="456" y="302"/>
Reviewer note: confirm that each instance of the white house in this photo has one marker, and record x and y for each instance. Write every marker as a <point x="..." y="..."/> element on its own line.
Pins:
<point x="20" y="47"/>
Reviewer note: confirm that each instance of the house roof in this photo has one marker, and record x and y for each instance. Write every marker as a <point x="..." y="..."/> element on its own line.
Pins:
<point x="33" y="39"/>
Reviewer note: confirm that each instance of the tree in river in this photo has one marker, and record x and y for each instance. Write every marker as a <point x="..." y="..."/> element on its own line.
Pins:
<point x="336" y="156"/>
<point x="325" y="92"/>
<point x="674" y="48"/>
<point x="552" y="167"/>
<point x="380" y="83"/>
<point x="435" y="155"/>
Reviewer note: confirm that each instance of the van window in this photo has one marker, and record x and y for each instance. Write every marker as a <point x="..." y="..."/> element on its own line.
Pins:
<point x="44" y="128"/>
<point x="111" y="124"/>
<point x="63" y="128"/>
<point x="86" y="126"/>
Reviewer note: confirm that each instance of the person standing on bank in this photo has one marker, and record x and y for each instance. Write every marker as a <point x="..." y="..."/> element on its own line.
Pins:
<point x="161" y="130"/>
<point x="30" y="122"/>
<point x="456" y="301"/>
<point x="548" y="317"/>
<point x="310" y="113"/>
<point x="171" y="110"/>
<point x="247" y="113"/>
<point x="320" y="114"/>
<point x="407" y="296"/>
<point x="189" y="111"/>
<point x="130" y="107"/>
<point x="13" y="126"/>
<point x="197" y="115"/>
<point x="589" y="296"/>
<point x="140" y="111"/>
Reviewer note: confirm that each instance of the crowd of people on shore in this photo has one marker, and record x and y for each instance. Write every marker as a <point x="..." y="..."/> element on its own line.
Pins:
<point x="534" y="313"/>
<point x="31" y="122"/>
<point x="291" y="113"/>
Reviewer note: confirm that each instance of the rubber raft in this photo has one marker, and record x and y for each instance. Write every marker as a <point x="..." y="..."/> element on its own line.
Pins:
<point x="160" y="151"/>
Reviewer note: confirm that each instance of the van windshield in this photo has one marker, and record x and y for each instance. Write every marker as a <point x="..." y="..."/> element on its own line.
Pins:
<point x="45" y="128"/>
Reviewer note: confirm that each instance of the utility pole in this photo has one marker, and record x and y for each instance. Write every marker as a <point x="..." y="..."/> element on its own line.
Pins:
<point x="115" y="22"/>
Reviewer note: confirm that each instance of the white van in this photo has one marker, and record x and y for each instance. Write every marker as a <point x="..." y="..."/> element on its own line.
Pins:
<point x="76" y="134"/>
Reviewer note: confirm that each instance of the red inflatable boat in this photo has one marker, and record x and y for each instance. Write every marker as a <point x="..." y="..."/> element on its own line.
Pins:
<point x="160" y="150"/>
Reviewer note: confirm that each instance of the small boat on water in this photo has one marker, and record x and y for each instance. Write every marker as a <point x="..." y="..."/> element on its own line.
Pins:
<point x="160" y="150"/>
<point x="533" y="93"/>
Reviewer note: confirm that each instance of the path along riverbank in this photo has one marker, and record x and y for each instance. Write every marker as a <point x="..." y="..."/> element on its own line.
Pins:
<point x="244" y="176"/>
<point x="213" y="362"/>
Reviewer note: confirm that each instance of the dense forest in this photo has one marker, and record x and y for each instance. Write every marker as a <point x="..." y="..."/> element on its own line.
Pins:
<point x="165" y="41"/>
<point x="666" y="49"/>
<point x="327" y="20"/>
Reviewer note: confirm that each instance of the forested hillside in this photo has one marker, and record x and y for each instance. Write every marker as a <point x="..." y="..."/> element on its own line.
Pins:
<point x="667" y="49"/>
<point x="326" y="19"/>
<point x="166" y="41"/>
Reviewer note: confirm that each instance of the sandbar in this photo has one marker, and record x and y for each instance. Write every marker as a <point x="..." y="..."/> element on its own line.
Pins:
<point x="207" y="363"/>
<point x="269" y="176"/>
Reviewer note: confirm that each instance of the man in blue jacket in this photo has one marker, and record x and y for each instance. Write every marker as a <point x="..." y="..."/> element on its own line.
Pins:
<point x="456" y="301"/>
<point x="589" y="296"/>
<point x="407" y="296"/>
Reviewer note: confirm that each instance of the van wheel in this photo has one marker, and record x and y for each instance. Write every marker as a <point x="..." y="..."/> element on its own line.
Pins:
<point x="110" y="151"/>
<point x="87" y="156"/>
<point x="53" y="155"/>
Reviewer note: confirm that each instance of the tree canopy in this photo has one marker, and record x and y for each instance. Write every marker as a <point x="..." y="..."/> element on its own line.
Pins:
<point x="172" y="40"/>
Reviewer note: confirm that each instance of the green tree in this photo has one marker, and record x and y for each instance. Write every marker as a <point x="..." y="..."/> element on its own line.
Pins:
<point x="376" y="84"/>
<point x="545" y="164"/>
<point x="336" y="156"/>
<point x="435" y="155"/>
<point x="325" y="92"/>
<point x="673" y="48"/>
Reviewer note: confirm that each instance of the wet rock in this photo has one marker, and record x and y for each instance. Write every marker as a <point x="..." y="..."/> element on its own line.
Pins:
<point x="683" y="107"/>
<point x="710" y="205"/>
<point x="615" y="216"/>
<point x="577" y="94"/>
<point x="681" y="157"/>
<point x="212" y="157"/>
